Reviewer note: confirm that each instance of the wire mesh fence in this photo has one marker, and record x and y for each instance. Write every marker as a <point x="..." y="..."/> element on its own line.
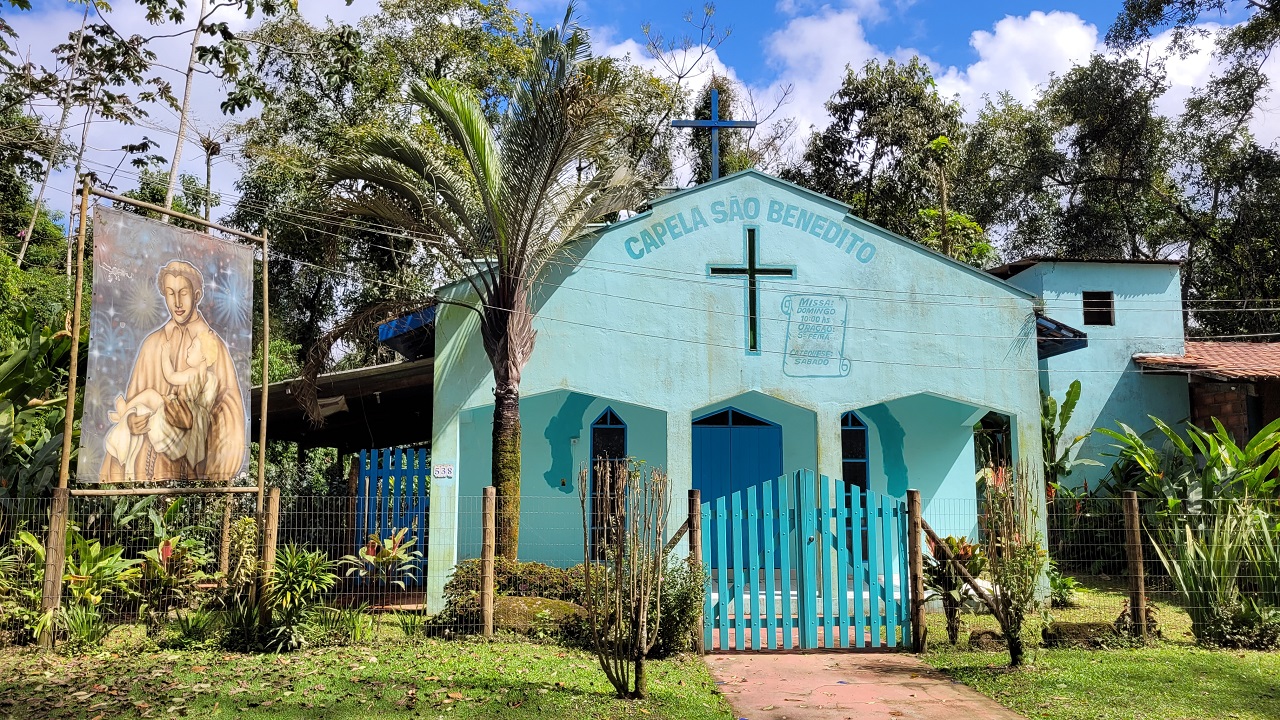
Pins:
<point x="179" y="571"/>
<point x="187" y="570"/>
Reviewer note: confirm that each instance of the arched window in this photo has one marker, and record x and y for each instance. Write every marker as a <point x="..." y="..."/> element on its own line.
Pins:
<point x="608" y="445"/>
<point x="853" y="449"/>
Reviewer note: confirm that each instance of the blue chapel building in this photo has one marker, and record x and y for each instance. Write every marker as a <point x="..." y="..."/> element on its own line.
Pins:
<point x="748" y="328"/>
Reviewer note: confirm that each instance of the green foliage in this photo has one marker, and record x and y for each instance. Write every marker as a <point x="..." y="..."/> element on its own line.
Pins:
<point x="513" y="190"/>
<point x="342" y="625"/>
<point x="411" y="624"/>
<point x="196" y="628"/>
<point x="83" y="626"/>
<point x="525" y="579"/>
<point x="1182" y="476"/>
<point x="1053" y="428"/>
<point x="969" y="242"/>
<point x="300" y="579"/>
<point x="31" y="411"/>
<point x="943" y="581"/>
<point x="876" y="153"/>
<point x="242" y="565"/>
<point x="172" y="572"/>
<point x="94" y="572"/>
<point x="1015" y="555"/>
<point x="385" y="563"/>
<point x="1062" y="588"/>
<point x="682" y="599"/>
<point x="241" y="625"/>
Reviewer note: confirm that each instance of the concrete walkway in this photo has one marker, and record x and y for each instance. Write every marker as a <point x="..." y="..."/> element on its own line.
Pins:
<point x="845" y="686"/>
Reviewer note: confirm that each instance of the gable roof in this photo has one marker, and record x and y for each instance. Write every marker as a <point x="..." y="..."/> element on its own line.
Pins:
<point x="1008" y="270"/>
<point x="845" y="210"/>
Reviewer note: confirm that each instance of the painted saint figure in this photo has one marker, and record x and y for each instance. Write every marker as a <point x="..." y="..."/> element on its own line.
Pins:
<point x="182" y="415"/>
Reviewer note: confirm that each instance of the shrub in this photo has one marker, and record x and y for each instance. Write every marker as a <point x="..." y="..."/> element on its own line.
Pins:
<point x="1015" y="555"/>
<point x="386" y="563"/>
<point x="171" y="574"/>
<point x="299" y="580"/>
<point x="945" y="582"/>
<point x="84" y="626"/>
<point x="241" y="624"/>
<point x="524" y="579"/>
<point x="195" y="629"/>
<point x="342" y="626"/>
<point x="1062" y="588"/>
<point x="683" y="597"/>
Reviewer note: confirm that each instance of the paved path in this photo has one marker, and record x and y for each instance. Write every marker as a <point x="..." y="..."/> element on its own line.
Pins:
<point x="845" y="686"/>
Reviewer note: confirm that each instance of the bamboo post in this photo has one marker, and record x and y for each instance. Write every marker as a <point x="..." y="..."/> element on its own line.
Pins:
<point x="266" y="377"/>
<point x="270" y="536"/>
<point x="490" y="507"/>
<point x="1133" y="549"/>
<point x="55" y="547"/>
<point x="695" y="552"/>
<point x="916" y="570"/>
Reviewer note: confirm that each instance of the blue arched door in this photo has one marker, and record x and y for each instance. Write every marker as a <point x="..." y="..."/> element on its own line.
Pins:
<point x="733" y="450"/>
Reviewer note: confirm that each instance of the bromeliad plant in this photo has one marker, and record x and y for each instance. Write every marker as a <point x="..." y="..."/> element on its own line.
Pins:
<point x="385" y="562"/>
<point x="944" y="582"/>
<point x="172" y="573"/>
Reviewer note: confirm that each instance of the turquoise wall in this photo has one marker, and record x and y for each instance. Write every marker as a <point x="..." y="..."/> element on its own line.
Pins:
<point x="1148" y="319"/>
<point x="634" y="314"/>
<point x="555" y="446"/>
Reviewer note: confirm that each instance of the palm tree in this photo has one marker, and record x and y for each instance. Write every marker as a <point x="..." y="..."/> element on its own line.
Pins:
<point x="500" y="200"/>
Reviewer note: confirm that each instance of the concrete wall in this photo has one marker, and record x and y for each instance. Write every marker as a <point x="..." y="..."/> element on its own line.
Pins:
<point x="635" y="315"/>
<point x="1148" y="319"/>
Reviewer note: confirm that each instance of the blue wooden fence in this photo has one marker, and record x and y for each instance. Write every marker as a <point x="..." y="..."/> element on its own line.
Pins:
<point x="394" y="492"/>
<point x="802" y="562"/>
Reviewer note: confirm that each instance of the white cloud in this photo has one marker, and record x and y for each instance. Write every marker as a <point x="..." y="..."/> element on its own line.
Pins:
<point x="1019" y="54"/>
<point x="810" y="54"/>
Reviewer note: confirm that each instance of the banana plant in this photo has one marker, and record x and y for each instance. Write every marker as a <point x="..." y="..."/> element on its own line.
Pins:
<point x="1053" y="425"/>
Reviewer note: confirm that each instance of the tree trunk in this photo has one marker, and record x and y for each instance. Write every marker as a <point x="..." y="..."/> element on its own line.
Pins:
<point x="1016" y="650"/>
<point x="186" y="110"/>
<point x="506" y="466"/>
<point x="57" y="139"/>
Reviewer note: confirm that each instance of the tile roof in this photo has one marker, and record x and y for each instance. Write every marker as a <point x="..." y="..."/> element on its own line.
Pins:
<point x="1219" y="360"/>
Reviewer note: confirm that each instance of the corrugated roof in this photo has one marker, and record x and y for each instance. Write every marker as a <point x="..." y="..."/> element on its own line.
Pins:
<point x="1219" y="360"/>
<point x="1008" y="270"/>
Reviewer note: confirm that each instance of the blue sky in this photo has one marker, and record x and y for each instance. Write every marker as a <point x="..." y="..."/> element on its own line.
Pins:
<point x="975" y="49"/>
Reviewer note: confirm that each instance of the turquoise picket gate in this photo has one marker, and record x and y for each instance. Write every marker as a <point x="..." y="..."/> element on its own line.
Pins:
<point x="802" y="562"/>
<point x="394" y="492"/>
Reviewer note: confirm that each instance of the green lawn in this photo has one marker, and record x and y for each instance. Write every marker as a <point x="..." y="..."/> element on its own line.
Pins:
<point x="430" y="679"/>
<point x="1170" y="680"/>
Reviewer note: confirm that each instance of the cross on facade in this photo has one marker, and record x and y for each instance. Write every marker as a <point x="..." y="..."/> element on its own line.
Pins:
<point x="751" y="272"/>
<point x="715" y="123"/>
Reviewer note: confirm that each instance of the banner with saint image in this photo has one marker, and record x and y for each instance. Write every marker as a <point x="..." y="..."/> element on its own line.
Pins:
<point x="170" y="334"/>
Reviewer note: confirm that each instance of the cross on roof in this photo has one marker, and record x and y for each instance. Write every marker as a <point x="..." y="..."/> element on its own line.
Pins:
<point x="715" y="123"/>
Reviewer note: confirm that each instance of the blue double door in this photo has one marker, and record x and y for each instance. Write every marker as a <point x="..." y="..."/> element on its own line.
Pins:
<point x="733" y="450"/>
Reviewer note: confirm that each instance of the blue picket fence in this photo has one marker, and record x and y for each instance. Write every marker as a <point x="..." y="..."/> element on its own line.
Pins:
<point x="394" y="492"/>
<point x="802" y="562"/>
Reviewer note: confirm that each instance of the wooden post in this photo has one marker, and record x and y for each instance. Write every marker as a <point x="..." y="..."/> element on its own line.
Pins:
<point x="695" y="554"/>
<point x="490" y="507"/>
<point x="1133" y="549"/>
<point x="55" y="557"/>
<point x="916" y="570"/>
<point x="266" y="379"/>
<point x="270" y="535"/>
<point x="55" y="546"/>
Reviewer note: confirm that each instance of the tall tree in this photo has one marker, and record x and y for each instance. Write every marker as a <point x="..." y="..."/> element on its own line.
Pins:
<point x="512" y="202"/>
<point x="875" y="154"/>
